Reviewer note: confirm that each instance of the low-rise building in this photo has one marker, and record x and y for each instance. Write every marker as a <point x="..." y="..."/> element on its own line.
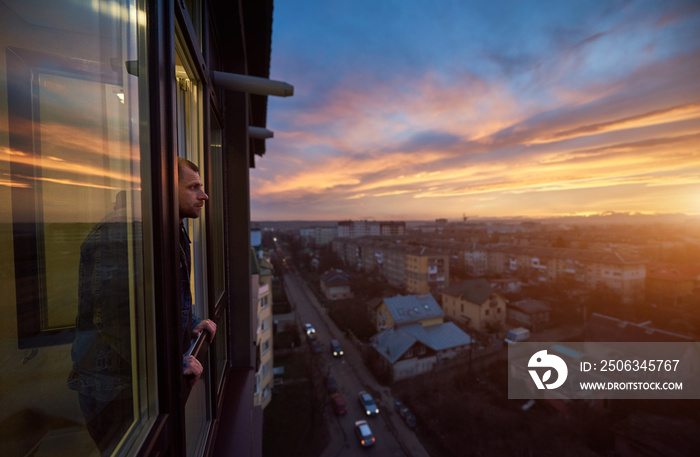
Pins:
<point x="475" y="304"/>
<point x="335" y="285"/>
<point x="408" y="309"/>
<point x="409" y="350"/>
<point x="529" y="313"/>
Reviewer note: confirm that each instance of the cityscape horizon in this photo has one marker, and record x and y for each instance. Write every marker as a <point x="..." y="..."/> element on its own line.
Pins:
<point x="608" y="217"/>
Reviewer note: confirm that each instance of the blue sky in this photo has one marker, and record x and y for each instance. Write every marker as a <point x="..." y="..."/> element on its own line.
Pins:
<point x="424" y="109"/>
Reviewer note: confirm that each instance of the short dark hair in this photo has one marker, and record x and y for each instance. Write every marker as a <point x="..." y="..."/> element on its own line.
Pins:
<point x="183" y="163"/>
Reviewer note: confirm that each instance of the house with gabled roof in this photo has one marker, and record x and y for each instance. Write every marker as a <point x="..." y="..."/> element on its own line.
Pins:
<point x="474" y="303"/>
<point x="335" y="285"/>
<point x="409" y="350"/>
<point x="408" y="309"/>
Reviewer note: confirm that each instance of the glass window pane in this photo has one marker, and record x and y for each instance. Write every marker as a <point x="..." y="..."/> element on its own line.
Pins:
<point x="190" y="146"/>
<point x="216" y="211"/>
<point x="216" y="214"/>
<point x="221" y="348"/>
<point x="70" y="226"/>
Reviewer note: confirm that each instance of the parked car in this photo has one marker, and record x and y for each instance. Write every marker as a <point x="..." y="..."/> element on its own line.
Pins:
<point x="336" y="349"/>
<point x="331" y="385"/>
<point x="405" y="414"/>
<point x="410" y="419"/>
<point x="339" y="406"/>
<point x="368" y="405"/>
<point x="309" y="329"/>
<point x="364" y="433"/>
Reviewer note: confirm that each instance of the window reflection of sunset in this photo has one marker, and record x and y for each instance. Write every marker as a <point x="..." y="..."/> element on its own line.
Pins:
<point x="47" y="164"/>
<point x="61" y="140"/>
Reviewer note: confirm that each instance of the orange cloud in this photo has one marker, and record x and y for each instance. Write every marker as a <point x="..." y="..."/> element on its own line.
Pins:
<point x="656" y="117"/>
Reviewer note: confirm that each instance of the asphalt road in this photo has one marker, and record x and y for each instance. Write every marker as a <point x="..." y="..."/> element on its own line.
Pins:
<point x="352" y="377"/>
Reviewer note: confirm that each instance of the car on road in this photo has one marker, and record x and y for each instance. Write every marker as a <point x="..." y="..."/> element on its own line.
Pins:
<point x="368" y="405"/>
<point x="405" y="414"/>
<point x="364" y="433"/>
<point x="336" y="349"/>
<point x="339" y="406"/>
<point x="310" y="330"/>
<point x="331" y="385"/>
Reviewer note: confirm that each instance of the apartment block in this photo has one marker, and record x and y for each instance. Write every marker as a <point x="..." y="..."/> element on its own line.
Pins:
<point x="264" y="379"/>
<point x="358" y="229"/>
<point x="623" y="273"/>
<point x="418" y="270"/>
<point x="319" y="235"/>
<point x="427" y="271"/>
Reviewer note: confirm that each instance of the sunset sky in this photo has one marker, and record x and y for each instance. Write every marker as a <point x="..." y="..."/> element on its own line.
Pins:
<point x="423" y="109"/>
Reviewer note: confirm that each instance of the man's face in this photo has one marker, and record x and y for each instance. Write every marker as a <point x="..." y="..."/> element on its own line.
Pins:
<point x="191" y="196"/>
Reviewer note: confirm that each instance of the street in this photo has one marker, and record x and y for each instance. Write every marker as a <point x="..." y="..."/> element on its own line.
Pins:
<point x="352" y="377"/>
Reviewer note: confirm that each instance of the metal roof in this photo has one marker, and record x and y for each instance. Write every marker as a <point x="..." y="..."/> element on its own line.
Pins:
<point x="405" y="309"/>
<point x="473" y="290"/>
<point x="393" y="343"/>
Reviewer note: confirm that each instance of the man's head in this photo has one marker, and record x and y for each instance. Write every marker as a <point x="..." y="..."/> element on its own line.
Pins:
<point x="120" y="200"/>
<point x="190" y="191"/>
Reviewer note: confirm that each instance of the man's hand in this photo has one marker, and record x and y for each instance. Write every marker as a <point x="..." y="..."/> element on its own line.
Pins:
<point x="208" y="325"/>
<point x="193" y="369"/>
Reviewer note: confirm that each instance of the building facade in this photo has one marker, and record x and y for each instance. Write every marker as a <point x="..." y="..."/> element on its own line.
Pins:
<point x="264" y="343"/>
<point x="97" y="101"/>
<point x="409" y="350"/>
<point x="408" y="309"/>
<point x="427" y="271"/>
<point x="475" y="304"/>
<point x="336" y="285"/>
<point x="529" y="313"/>
<point x="359" y="229"/>
<point x="416" y="270"/>
<point x="622" y="273"/>
<point x="319" y="235"/>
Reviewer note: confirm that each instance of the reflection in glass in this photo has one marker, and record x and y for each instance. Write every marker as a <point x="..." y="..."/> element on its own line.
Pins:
<point x="69" y="144"/>
<point x="216" y="211"/>
<point x="102" y="352"/>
